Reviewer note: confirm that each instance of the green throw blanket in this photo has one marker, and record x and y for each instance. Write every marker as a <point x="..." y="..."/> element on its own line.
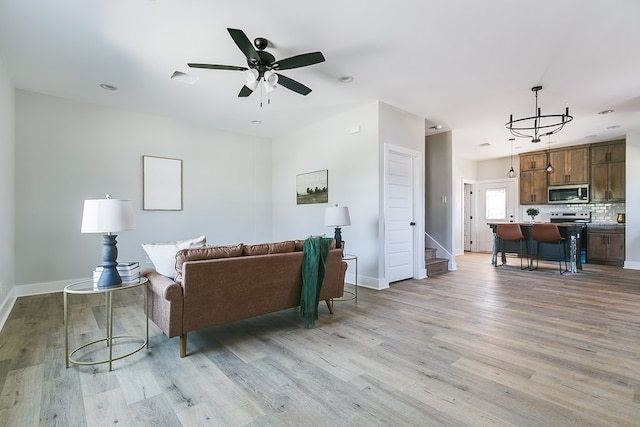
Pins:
<point x="314" y="258"/>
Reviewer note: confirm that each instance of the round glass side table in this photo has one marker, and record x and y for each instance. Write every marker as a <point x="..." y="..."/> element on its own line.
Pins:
<point x="87" y="287"/>
<point x="352" y="295"/>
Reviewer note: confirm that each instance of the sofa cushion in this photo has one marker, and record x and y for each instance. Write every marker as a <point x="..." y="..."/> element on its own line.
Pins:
<point x="282" y="247"/>
<point x="257" y="249"/>
<point x="207" y="252"/>
<point x="163" y="254"/>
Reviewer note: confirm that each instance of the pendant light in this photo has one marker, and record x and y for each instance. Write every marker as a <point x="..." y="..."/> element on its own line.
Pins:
<point x="511" y="173"/>
<point x="549" y="168"/>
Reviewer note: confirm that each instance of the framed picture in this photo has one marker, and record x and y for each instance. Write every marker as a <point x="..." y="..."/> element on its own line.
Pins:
<point x="312" y="187"/>
<point x="161" y="184"/>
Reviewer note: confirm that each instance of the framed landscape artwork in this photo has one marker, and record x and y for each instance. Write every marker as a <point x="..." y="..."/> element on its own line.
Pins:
<point x="161" y="184"/>
<point x="312" y="187"/>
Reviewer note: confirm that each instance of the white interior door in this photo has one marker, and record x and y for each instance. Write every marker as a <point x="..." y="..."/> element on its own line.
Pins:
<point x="496" y="203"/>
<point x="400" y="223"/>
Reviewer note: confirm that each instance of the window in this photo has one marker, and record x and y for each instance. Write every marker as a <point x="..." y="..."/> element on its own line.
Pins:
<point x="496" y="203"/>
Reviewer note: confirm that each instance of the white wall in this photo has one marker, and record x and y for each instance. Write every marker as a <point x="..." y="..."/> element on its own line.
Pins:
<point x="632" y="208"/>
<point x="69" y="151"/>
<point x="402" y="129"/>
<point x="7" y="191"/>
<point x="355" y="166"/>
<point x="439" y="194"/>
<point x="352" y="164"/>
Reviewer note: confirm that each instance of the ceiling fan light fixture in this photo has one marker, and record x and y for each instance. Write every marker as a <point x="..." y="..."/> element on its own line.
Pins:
<point x="270" y="81"/>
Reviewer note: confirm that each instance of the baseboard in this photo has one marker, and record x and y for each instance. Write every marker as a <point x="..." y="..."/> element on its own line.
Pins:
<point x="7" y="306"/>
<point x="632" y="265"/>
<point x="371" y="283"/>
<point x="44" y="288"/>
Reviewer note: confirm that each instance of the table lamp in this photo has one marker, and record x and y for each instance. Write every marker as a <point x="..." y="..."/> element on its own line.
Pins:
<point x="337" y="216"/>
<point x="108" y="216"/>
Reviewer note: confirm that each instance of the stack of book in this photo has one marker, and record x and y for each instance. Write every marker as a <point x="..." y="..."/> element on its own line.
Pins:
<point x="129" y="272"/>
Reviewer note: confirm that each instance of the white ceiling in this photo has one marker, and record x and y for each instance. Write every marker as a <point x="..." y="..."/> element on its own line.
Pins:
<point x="464" y="64"/>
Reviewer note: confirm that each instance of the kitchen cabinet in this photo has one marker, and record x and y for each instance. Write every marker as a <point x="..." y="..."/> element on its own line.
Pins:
<point x="571" y="166"/>
<point x="606" y="244"/>
<point x="608" y="172"/>
<point x="533" y="161"/>
<point x="533" y="178"/>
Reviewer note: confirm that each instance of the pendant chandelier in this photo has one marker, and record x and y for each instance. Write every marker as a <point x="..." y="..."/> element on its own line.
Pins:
<point x="511" y="173"/>
<point x="530" y="127"/>
<point x="549" y="168"/>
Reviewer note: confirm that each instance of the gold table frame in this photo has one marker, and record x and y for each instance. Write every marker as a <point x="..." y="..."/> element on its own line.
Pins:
<point x="85" y="287"/>
<point x="353" y="295"/>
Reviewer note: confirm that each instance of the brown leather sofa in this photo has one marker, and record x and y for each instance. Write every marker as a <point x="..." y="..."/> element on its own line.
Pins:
<point x="221" y="284"/>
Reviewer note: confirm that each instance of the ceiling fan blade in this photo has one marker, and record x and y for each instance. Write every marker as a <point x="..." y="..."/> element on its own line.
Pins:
<point x="293" y="85"/>
<point x="299" y="61"/>
<point x="217" y="67"/>
<point x="245" y="45"/>
<point x="244" y="92"/>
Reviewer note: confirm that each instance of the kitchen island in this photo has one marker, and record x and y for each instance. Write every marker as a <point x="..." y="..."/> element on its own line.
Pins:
<point x="571" y="231"/>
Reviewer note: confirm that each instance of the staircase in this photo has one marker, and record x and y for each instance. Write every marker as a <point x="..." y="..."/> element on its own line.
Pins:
<point x="434" y="265"/>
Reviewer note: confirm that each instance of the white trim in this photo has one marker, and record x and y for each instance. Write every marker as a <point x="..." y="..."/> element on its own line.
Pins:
<point x="44" y="288"/>
<point x="372" y="283"/>
<point x="632" y="265"/>
<point x="7" y="306"/>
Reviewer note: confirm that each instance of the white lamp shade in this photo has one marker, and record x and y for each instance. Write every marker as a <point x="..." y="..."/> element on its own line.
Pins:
<point x="251" y="79"/>
<point x="337" y="216"/>
<point x="270" y="80"/>
<point x="107" y="216"/>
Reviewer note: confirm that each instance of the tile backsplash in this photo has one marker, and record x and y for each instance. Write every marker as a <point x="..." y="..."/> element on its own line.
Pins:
<point x="600" y="212"/>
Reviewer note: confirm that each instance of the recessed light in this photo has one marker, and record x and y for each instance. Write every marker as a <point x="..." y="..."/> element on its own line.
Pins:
<point x="613" y="127"/>
<point x="345" y="79"/>
<point x="108" y="87"/>
<point x="436" y="127"/>
<point x="256" y="122"/>
<point x="605" y="112"/>
<point x="484" y="144"/>
<point x="591" y="136"/>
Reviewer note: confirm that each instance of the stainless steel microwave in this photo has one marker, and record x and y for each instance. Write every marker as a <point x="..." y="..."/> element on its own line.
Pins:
<point x="569" y="194"/>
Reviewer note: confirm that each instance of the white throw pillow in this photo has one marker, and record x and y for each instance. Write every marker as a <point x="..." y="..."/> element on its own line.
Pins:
<point x="163" y="254"/>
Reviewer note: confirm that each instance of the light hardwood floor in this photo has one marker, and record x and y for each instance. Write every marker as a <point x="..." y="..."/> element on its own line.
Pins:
<point x="479" y="346"/>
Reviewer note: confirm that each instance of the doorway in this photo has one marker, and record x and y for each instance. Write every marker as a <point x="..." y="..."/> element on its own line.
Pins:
<point x="496" y="203"/>
<point x="403" y="214"/>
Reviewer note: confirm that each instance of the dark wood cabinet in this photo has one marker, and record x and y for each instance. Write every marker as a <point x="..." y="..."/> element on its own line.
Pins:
<point x="533" y="178"/>
<point x="608" y="172"/>
<point x="606" y="244"/>
<point x="571" y="166"/>
<point x="533" y="161"/>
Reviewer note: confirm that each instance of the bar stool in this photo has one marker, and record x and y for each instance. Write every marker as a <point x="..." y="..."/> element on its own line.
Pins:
<point x="513" y="233"/>
<point x="548" y="234"/>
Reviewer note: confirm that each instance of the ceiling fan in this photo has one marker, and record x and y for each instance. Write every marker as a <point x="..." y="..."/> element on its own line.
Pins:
<point x="263" y="66"/>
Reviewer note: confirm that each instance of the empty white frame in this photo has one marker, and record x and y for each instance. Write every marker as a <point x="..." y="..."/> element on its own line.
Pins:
<point x="161" y="184"/>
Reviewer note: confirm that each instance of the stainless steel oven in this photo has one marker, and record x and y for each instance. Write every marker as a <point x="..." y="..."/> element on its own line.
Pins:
<point x="575" y="217"/>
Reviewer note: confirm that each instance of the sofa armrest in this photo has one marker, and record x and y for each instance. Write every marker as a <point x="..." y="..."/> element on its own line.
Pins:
<point x="162" y="285"/>
<point x="165" y="303"/>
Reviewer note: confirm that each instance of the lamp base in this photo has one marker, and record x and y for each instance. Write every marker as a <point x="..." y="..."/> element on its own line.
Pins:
<point x="338" y="237"/>
<point x="110" y="276"/>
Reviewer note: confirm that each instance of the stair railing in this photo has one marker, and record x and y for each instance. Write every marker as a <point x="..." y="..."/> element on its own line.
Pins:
<point x="449" y="255"/>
